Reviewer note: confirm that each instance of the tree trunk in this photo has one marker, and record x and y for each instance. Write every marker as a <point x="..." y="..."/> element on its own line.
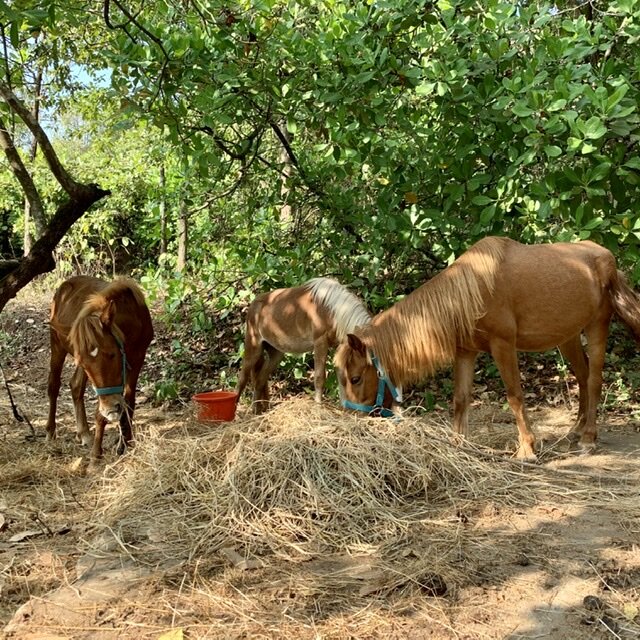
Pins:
<point x="5" y="243"/>
<point x="287" y="168"/>
<point x="27" y="239"/>
<point x="163" y="210"/>
<point x="183" y="236"/>
<point x="37" y="217"/>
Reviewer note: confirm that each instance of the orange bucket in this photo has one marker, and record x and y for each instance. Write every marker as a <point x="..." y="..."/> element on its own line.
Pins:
<point x="216" y="406"/>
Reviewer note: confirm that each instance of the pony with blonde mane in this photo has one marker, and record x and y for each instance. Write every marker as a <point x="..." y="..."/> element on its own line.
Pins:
<point x="315" y="316"/>
<point x="499" y="297"/>
<point x="106" y="327"/>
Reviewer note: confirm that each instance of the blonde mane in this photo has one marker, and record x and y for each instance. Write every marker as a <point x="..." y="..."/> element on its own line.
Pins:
<point x="347" y="310"/>
<point x="87" y="328"/>
<point x="418" y="335"/>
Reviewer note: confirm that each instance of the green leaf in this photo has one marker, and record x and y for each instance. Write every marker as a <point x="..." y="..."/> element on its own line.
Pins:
<point x="425" y="88"/>
<point x="593" y="128"/>
<point x="521" y="109"/>
<point x="573" y="144"/>
<point x="552" y="151"/>
<point x="599" y="172"/>
<point x="616" y="96"/>
<point x="14" y="35"/>
<point x="487" y="214"/>
<point x="481" y="200"/>
<point x="557" y="105"/>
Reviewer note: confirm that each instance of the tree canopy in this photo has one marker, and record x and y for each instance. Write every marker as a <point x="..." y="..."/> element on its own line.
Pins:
<point x="257" y="144"/>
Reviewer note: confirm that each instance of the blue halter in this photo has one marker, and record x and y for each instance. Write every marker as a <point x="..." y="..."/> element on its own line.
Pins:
<point x="107" y="391"/>
<point x="377" y="408"/>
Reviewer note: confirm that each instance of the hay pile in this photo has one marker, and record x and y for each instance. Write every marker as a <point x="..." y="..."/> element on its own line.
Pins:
<point x="307" y="481"/>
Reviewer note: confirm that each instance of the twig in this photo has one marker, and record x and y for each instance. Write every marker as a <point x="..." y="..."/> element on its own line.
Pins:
<point x="16" y="414"/>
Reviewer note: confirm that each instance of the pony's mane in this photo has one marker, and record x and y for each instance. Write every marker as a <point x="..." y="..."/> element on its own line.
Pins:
<point x="418" y="335"/>
<point x="87" y="327"/>
<point x="347" y="309"/>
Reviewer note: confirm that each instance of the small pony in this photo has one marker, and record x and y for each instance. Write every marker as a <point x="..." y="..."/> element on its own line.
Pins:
<point x="314" y="316"/>
<point x="499" y="297"/>
<point x="106" y="327"/>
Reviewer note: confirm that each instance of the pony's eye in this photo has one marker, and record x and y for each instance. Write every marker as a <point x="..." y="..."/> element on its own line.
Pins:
<point x="94" y="352"/>
<point x="355" y="379"/>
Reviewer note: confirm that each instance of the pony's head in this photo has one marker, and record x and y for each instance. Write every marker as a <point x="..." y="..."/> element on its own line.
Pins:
<point x="98" y="347"/>
<point x="364" y="386"/>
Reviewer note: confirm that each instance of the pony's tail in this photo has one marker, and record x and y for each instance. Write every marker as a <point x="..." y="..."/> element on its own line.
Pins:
<point x="626" y="304"/>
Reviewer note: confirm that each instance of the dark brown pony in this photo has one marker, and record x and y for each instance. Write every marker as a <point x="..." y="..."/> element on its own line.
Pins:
<point x="313" y="317"/>
<point x="499" y="297"/>
<point x="106" y="327"/>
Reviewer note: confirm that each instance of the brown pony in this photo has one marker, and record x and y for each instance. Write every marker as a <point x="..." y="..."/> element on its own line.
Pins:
<point x="106" y="327"/>
<point x="499" y="297"/>
<point x="313" y="317"/>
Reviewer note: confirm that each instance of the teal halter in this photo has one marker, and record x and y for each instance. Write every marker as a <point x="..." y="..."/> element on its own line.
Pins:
<point x="107" y="391"/>
<point x="377" y="408"/>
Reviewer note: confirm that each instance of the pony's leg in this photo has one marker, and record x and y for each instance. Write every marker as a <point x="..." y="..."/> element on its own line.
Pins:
<point x="262" y="373"/>
<point x="101" y="423"/>
<point x="463" y="370"/>
<point x="506" y="357"/>
<point x="320" y="352"/>
<point x="253" y="349"/>
<point x="58" y="354"/>
<point x="253" y="354"/>
<point x="579" y="364"/>
<point x="596" y="334"/>
<point x="78" y="385"/>
<point x="126" y="418"/>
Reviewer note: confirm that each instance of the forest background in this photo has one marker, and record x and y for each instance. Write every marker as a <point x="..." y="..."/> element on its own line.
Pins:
<point x="213" y="150"/>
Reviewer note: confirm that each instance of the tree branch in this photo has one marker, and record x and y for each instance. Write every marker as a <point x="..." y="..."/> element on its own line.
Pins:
<point x="40" y="258"/>
<point x="66" y="181"/>
<point x="20" y="172"/>
<point x="287" y="147"/>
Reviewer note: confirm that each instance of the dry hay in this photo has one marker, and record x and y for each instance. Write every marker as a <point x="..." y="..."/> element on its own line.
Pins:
<point x="43" y="511"/>
<point x="301" y="481"/>
<point x="309" y="521"/>
<point x="369" y="505"/>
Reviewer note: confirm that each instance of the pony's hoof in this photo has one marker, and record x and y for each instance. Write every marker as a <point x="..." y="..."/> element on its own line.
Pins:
<point x="85" y="439"/>
<point x="587" y="448"/>
<point x="526" y="454"/>
<point x="573" y="436"/>
<point x="95" y="465"/>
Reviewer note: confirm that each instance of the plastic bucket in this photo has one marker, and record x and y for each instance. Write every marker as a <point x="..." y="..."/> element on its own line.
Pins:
<point x="216" y="406"/>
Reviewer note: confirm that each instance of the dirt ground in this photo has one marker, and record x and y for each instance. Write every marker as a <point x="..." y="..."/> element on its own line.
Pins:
<point x="558" y="569"/>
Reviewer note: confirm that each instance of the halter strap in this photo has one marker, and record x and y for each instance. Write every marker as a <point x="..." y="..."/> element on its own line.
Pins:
<point x="383" y="381"/>
<point x="107" y="391"/>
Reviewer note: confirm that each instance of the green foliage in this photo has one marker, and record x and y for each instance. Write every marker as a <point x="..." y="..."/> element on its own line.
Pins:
<point x="413" y="130"/>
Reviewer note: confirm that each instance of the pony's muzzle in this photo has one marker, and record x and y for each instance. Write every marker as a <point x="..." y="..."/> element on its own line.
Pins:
<point x="111" y="407"/>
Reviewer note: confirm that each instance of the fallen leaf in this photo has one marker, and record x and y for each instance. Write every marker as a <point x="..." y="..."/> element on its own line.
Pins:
<point x="238" y="561"/>
<point x="76" y="465"/>
<point x="174" y="634"/>
<point x="25" y="535"/>
<point x="630" y="611"/>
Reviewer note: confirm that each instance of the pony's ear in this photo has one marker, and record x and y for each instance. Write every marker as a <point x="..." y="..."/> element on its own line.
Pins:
<point x="356" y="344"/>
<point x="108" y="313"/>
